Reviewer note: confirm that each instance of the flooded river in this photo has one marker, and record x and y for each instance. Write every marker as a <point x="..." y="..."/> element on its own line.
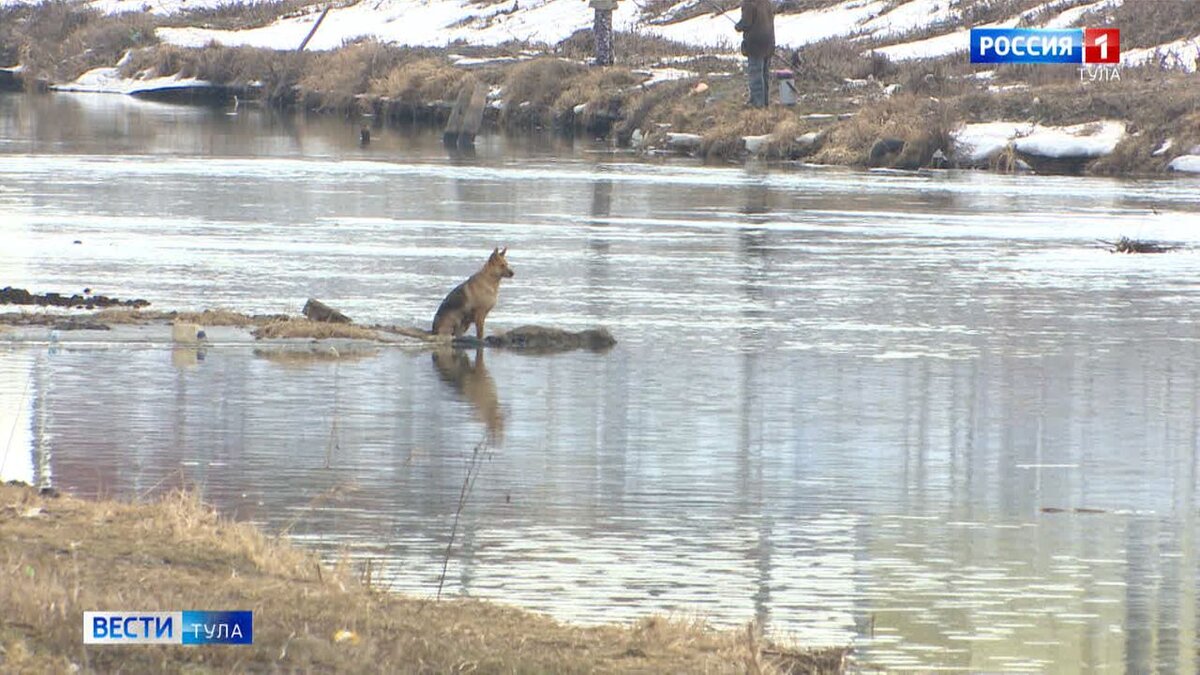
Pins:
<point x="925" y="415"/>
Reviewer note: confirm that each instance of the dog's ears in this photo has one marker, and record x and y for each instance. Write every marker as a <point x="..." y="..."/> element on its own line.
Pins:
<point x="504" y="252"/>
<point x="495" y="252"/>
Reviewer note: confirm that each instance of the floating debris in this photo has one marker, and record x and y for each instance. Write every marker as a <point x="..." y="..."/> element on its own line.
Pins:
<point x="1127" y="245"/>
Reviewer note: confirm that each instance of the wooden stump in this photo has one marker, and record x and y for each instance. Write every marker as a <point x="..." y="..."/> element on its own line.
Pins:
<point x="466" y="117"/>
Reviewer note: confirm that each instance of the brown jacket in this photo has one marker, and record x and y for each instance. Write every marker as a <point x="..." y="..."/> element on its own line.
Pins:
<point x="757" y="28"/>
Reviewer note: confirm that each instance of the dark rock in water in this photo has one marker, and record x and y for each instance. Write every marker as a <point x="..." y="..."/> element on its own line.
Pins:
<point x="10" y="80"/>
<point x="316" y="310"/>
<point x="544" y="339"/>
<point x="20" y="296"/>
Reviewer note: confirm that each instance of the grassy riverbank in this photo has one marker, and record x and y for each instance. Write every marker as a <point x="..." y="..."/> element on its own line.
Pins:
<point x="850" y="97"/>
<point x="61" y="556"/>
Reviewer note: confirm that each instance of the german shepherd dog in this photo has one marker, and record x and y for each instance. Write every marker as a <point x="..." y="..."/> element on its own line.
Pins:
<point x="470" y="301"/>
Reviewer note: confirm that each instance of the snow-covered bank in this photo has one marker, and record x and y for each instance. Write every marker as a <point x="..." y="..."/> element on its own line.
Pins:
<point x="978" y="142"/>
<point x="110" y="81"/>
<point x="1185" y="164"/>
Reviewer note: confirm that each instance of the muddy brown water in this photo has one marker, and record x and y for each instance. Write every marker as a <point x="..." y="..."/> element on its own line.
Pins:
<point x="922" y="414"/>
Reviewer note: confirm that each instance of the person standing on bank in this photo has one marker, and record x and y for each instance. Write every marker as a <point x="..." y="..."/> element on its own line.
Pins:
<point x="757" y="27"/>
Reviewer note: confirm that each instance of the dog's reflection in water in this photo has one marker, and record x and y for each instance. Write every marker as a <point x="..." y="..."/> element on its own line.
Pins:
<point x="475" y="384"/>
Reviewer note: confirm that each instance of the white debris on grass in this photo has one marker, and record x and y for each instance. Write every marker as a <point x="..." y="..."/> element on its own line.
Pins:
<point x="668" y="60"/>
<point x="460" y="60"/>
<point x="660" y="75"/>
<point x="1162" y="149"/>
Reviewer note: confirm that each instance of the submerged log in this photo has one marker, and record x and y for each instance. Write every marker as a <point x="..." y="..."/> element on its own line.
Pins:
<point x="543" y="339"/>
<point x="316" y="310"/>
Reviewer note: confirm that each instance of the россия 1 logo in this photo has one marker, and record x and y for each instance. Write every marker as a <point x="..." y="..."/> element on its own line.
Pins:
<point x="1046" y="45"/>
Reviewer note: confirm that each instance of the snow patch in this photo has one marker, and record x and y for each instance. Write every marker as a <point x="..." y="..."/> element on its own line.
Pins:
<point x="164" y="7"/>
<point x="1081" y="140"/>
<point x="110" y="81"/>
<point x="977" y="142"/>
<point x="911" y="16"/>
<point x="1185" y="164"/>
<point x="660" y="75"/>
<point x="939" y="45"/>
<point x="1068" y="18"/>
<point x="756" y="144"/>
<point x="1181" y="54"/>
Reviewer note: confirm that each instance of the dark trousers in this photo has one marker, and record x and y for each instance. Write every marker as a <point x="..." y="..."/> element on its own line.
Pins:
<point x="758" y="72"/>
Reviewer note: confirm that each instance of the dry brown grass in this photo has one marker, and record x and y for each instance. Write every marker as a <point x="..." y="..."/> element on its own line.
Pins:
<point x="1135" y="154"/>
<point x="208" y="317"/>
<point x="1148" y="24"/>
<point x="420" y="81"/>
<point x="629" y="49"/>
<point x="924" y="124"/>
<point x="59" y="41"/>
<point x="532" y="87"/>
<point x="332" y="80"/>
<point x="243" y="15"/>
<point x="60" y="557"/>
<point x="303" y="328"/>
<point x="644" y="108"/>
<point x="829" y="62"/>
<point x="602" y="90"/>
<point x="724" y="137"/>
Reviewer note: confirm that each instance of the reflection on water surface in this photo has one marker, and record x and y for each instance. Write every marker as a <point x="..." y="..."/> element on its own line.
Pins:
<point x="922" y="414"/>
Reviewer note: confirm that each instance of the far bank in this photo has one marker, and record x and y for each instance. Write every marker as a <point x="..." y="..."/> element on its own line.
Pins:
<point x="854" y="107"/>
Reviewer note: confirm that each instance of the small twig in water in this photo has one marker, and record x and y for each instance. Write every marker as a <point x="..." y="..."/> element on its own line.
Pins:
<point x="468" y="483"/>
